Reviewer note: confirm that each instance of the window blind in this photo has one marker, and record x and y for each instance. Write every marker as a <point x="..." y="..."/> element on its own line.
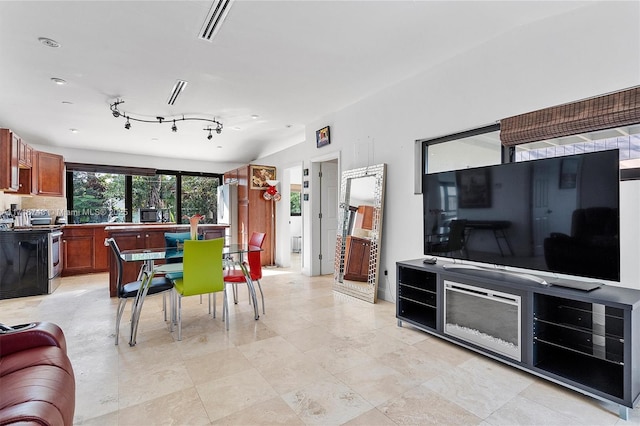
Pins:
<point x="603" y="112"/>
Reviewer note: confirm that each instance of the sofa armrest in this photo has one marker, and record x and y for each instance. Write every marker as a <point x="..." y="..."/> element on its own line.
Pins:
<point x="31" y="336"/>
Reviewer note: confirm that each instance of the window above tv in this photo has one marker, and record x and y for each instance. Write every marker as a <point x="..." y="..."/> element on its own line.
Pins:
<point x="626" y="139"/>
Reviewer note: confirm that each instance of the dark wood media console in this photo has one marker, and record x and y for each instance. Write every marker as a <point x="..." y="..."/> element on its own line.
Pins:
<point x="587" y="341"/>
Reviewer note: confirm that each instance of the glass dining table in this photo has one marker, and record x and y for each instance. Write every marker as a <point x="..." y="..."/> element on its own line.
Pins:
<point x="233" y="254"/>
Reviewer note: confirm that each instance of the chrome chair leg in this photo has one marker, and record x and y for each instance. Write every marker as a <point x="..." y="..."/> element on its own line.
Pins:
<point x="122" y="303"/>
<point x="179" y="313"/>
<point x="225" y="308"/>
<point x="261" y="295"/>
<point x="214" y="305"/>
<point x="164" y="306"/>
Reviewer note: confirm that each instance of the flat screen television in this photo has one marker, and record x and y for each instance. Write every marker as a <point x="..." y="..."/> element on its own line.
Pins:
<point x="558" y="215"/>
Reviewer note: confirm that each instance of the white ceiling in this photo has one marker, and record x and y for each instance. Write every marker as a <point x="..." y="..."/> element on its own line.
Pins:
<point x="286" y="62"/>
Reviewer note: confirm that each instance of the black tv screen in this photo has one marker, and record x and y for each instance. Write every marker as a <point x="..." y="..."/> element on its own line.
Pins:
<point x="556" y="214"/>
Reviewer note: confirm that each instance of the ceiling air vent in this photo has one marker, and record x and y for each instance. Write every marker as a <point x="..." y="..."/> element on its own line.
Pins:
<point x="175" y="92"/>
<point x="215" y="18"/>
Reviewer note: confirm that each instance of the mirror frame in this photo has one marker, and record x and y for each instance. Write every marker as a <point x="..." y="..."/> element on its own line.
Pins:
<point x="368" y="291"/>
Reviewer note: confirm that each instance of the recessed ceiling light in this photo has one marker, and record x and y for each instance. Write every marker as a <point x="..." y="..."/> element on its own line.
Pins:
<point x="288" y="126"/>
<point x="58" y="81"/>
<point x="48" y="42"/>
<point x="73" y="130"/>
<point x="154" y="139"/>
<point x="255" y="116"/>
<point x="237" y="128"/>
<point x="219" y="146"/>
<point x="67" y="103"/>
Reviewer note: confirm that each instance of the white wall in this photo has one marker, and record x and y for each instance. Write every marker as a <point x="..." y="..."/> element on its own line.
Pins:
<point x="589" y="52"/>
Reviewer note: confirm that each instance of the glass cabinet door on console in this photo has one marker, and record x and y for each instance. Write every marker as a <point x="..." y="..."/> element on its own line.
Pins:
<point x="417" y="297"/>
<point x="573" y="337"/>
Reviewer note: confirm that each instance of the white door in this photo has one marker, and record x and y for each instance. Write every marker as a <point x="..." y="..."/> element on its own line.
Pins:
<point x="329" y="188"/>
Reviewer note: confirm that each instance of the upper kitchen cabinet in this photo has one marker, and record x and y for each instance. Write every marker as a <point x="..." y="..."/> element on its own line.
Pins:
<point x="9" y="168"/>
<point x="49" y="174"/>
<point x="25" y="154"/>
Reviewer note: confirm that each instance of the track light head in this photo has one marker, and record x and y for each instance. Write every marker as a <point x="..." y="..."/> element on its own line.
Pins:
<point x="210" y="136"/>
<point x="218" y="130"/>
<point x="114" y="108"/>
<point x="127" y="125"/>
<point x="174" y="128"/>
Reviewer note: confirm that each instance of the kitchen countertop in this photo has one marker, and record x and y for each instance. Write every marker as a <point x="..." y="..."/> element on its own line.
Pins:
<point x="161" y="226"/>
<point x="40" y="228"/>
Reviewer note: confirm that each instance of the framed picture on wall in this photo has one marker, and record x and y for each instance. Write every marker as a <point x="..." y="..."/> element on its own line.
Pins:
<point x="259" y="176"/>
<point x="322" y="137"/>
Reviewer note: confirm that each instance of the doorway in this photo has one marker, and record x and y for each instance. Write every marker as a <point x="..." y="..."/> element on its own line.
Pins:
<point x="328" y="217"/>
<point x="295" y="217"/>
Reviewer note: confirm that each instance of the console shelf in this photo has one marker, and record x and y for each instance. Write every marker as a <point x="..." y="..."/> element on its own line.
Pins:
<point x="417" y="297"/>
<point x="585" y="340"/>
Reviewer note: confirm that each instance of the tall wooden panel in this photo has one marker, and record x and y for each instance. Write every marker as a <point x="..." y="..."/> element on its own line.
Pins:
<point x="254" y="212"/>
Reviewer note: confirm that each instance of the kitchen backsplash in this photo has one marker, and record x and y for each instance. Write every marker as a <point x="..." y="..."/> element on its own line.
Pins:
<point x="55" y="205"/>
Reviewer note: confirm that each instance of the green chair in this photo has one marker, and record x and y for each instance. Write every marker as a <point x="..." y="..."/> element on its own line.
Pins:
<point x="201" y="274"/>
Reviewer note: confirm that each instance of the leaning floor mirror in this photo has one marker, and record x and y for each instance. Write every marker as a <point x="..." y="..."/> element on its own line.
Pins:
<point x="357" y="260"/>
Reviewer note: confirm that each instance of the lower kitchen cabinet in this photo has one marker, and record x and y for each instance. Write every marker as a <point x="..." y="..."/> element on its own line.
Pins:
<point x="84" y="249"/>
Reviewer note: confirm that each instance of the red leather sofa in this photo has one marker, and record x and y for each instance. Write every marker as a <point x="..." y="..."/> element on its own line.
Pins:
<point x="37" y="384"/>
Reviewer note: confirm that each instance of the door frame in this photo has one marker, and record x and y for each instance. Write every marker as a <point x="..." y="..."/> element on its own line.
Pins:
<point x="310" y="212"/>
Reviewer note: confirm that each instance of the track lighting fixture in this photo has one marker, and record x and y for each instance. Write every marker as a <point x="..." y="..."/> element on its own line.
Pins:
<point x="216" y="125"/>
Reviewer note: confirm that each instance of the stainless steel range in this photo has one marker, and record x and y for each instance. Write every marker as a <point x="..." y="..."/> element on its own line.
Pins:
<point x="54" y="260"/>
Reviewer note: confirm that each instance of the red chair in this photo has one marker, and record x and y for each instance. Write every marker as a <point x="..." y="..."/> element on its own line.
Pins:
<point x="235" y="276"/>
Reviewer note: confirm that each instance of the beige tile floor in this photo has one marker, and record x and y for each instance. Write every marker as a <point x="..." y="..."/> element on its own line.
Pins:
<point x="316" y="357"/>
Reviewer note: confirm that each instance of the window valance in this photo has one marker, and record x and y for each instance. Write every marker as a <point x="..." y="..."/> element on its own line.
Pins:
<point x="99" y="168"/>
<point x="602" y="112"/>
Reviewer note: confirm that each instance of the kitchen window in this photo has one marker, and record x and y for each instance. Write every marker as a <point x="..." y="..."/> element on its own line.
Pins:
<point x="99" y="194"/>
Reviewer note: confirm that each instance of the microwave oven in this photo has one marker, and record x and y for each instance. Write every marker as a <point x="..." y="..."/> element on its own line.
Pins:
<point x="148" y="215"/>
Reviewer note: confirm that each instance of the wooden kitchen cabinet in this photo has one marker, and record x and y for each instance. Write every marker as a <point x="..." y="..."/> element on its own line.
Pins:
<point x="356" y="262"/>
<point x="84" y="249"/>
<point x="9" y="166"/>
<point x="49" y="174"/>
<point x="78" y="244"/>
<point x="364" y="217"/>
<point x="26" y="183"/>
<point x="212" y="234"/>
<point x="25" y="154"/>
